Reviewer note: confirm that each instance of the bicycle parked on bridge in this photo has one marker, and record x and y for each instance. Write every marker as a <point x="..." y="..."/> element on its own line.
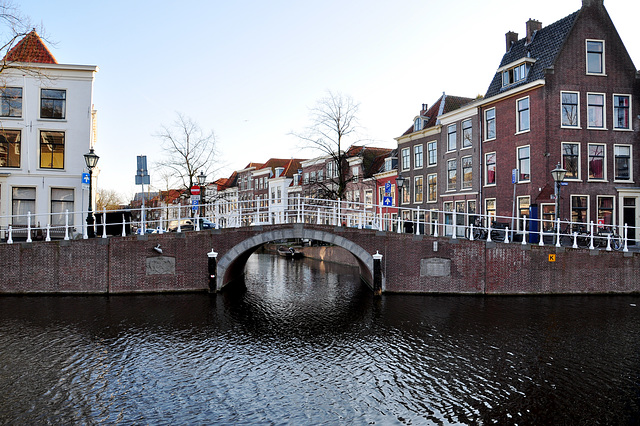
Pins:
<point x="498" y="230"/>
<point x="603" y="236"/>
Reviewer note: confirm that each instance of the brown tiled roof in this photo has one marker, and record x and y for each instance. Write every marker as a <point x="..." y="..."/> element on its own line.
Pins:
<point x="451" y="103"/>
<point x="30" y="49"/>
<point x="290" y="165"/>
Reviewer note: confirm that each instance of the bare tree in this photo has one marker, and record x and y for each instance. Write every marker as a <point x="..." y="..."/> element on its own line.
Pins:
<point x="332" y="131"/>
<point x="107" y="199"/>
<point x="188" y="151"/>
<point x="18" y="26"/>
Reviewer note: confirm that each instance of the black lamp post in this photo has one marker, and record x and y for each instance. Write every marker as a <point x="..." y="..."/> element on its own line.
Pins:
<point x="202" y="179"/>
<point x="400" y="183"/>
<point x="558" y="176"/>
<point x="91" y="159"/>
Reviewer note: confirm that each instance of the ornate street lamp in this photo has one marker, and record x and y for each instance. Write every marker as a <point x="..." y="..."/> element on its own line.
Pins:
<point x="91" y="159"/>
<point x="400" y="183"/>
<point x="558" y="176"/>
<point x="202" y="179"/>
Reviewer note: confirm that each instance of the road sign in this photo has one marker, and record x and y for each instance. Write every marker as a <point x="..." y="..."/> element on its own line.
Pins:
<point x="552" y="258"/>
<point x="85" y="181"/>
<point x="514" y="176"/>
<point x="387" y="201"/>
<point x="195" y="197"/>
<point x="387" y="187"/>
<point x="194" y="205"/>
<point x="195" y="190"/>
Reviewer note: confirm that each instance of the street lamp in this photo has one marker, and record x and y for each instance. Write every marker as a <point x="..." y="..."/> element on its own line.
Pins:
<point x="202" y="179"/>
<point x="558" y="176"/>
<point x="91" y="159"/>
<point x="400" y="183"/>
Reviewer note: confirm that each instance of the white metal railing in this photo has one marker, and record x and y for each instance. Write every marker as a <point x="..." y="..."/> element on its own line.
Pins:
<point x="237" y="213"/>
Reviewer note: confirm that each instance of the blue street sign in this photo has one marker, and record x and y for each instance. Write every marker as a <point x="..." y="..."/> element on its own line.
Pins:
<point x="85" y="178"/>
<point x="387" y="187"/>
<point x="387" y="201"/>
<point x="194" y="205"/>
<point x="514" y="176"/>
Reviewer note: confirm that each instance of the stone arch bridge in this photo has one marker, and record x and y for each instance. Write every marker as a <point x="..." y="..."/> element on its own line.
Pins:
<point x="410" y="263"/>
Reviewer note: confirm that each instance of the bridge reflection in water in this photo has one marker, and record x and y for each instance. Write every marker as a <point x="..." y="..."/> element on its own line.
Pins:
<point x="298" y="344"/>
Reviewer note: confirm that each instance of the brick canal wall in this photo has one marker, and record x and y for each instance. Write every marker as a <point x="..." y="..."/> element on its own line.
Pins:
<point x="411" y="264"/>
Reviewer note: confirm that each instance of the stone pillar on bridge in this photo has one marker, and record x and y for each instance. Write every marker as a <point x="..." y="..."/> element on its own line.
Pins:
<point x="212" y="258"/>
<point x="377" y="274"/>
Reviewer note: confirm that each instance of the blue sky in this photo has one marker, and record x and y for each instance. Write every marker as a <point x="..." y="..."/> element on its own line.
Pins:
<point x="250" y="70"/>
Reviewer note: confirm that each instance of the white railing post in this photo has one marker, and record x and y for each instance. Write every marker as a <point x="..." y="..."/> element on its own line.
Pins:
<point x="66" y="225"/>
<point x="104" y="223"/>
<point x="435" y="233"/>
<point x="124" y="227"/>
<point x="179" y="220"/>
<point x="454" y="233"/>
<point x="339" y="213"/>
<point x="591" y="246"/>
<point x="506" y="235"/>
<point x="575" y="240"/>
<point x="318" y="219"/>
<point x="471" y="231"/>
<point x="302" y="210"/>
<point x="197" y="227"/>
<point x="10" y="238"/>
<point x="142" y="219"/>
<point x="28" y="227"/>
<point x="48" y="238"/>
<point x="298" y="210"/>
<point x="524" y="230"/>
<point x="557" y="232"/>
<point x="609" y="242"/>
<point x="625" y="249"/>
<point x="399" y="223"/>
<point x="489" y="230"/>
<point x="418" y="221"/>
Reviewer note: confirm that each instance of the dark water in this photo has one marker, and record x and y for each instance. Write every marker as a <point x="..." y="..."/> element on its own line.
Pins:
<point x="306" y="343"/>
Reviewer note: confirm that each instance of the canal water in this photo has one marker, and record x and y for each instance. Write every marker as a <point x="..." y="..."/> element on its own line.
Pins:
<point x="304" y="342"/>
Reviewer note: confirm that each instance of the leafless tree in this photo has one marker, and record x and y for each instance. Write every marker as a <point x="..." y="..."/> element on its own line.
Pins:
<point x="332" y="131"/>
<point x="188" y="151"/>
<point x="17" y="26"/>
<point x="107" y="199"/>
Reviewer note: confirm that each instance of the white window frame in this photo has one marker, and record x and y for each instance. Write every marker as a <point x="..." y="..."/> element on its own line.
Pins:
<point x="565" y="126"/>
<point x="519" y="128"/>
<point x="429" y="164"/>
<point x="491" y="216"/>
<point x="604" y="112"/>
<point x="407" y="165"/>
<point x="613" y="112"/>
<point x="415" y="189"/>
<point x="463" y="183"/>
<point x="486" y="169"/>
<point x="579" y="177"/>
<point x="435" y="199"/>
<point x="486" y="125"/>
<point x="603" y="56"/>
<point x="418" y="156"/>
<point x="604" y="163"/>
<point x="519" y="221"/>
<point x="588" y="214"/>
<point x="613" y="208"/>
<point x="456" y="175"/>
<point x="470" y="129"/>
<point x="630" y="180"/>
<point x="518" y="148"/>
<point x="455" y="137"/>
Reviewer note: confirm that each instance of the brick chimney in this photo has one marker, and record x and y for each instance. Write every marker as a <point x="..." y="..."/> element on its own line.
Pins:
<point x="588" y="3"/>
<point x="532" y="26"/>
<point x="511" y="38"/>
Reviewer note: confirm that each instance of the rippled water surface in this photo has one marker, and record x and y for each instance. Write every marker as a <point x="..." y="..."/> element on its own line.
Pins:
<point x="306" y="343"/>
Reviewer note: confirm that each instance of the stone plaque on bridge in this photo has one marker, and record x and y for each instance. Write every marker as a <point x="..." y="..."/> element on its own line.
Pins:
<point x="435" y="267"/>
<point x="161" y="265"/>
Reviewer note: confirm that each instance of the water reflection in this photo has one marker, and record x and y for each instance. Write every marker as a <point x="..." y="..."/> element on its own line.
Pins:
<point x="307" y="343"/>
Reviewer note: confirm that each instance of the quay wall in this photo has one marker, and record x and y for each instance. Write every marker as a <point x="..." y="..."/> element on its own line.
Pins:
<point x="410" y="264"/>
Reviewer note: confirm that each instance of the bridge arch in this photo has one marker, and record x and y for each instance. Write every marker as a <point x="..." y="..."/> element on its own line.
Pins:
<point x="231" y="265"/>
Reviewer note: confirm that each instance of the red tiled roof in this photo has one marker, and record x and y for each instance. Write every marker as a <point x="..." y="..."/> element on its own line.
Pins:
<point x="290" y="165"/>
<point x="30" y="49"/>
<point x="451" y="103"/>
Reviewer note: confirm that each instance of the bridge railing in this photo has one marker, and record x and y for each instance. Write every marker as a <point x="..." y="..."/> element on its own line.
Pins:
<point x="348" y="213"/>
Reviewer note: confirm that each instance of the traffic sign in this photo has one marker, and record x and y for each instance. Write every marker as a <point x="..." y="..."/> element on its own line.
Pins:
<point x="387" y="201"/>
<point x="387" y="187"/>
<point x="85" y="181"/>
<point x="195" y="197"/>
<point x="514" y="176"/>
<point x="195" y="190"/>
<point x="194" y="205"/>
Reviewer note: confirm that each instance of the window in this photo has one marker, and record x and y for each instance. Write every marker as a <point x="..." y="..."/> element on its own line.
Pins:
<point x="621" y="112"/>
<point x="23" y="201"/>
<point x="61" y="201"/>
<point x="605" y="210"/>
<point x="523" y="211"/>
<point x="10" y="148"/>
<point x="570" y="109"/>
<point x="368" y="197"/>
<point x="490" y="208"/>
<point x="355" y="171"/>
<point x="524" y="163"/>
<point x="467" y="172"/>
<point x="595" y="110"/>
<point x="279" y="194"/>
<point x="53" y="103"/>
<point x="52" y="150"/>
<point x="312" y="177"/>
<point x="490" y="168"/>
<point x="523" y="114"/>
<point x="417" y="125"/>
<point x="467" y="134"/>
<point x="406" y="193"/>
<point x="451" y="138"/>
<point x="622" y="162"/>
<point x="432" y="190"/>
<point x="432" y="151"/>
<point x="330" y="170"/>
<point x="306" y="178"/>
<point x="490" y="124"/>
<point x="417" y="195"/>
<point x="515" y="74"/>
<point x="448" y="217"/>
<point x="460" y="218"/>
<point x="571" y="160"/>
<point x="452" y="165"/>
<point x="596" y="161"/>
<point x="320" y="175"/>
<point x="579" y="208"/>
<point x="417" y="156"/>
<point x="11" y="102"/>
<point x="406" y="160"/>
<point x="548" y="217"/>
<point x="595" y="57"/>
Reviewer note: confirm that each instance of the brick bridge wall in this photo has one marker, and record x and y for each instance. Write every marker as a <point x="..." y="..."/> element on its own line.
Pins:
<point x="410" y="263"/>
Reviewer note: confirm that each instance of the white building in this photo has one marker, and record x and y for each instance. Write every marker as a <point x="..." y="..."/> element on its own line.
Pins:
<point x="46" y="126"/>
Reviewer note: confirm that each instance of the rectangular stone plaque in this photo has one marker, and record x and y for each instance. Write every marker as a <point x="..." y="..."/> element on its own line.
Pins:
<point x="435" y="267"/>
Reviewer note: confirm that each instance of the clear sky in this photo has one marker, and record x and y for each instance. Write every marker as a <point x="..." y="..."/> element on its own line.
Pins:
<point x="249" y="70"/>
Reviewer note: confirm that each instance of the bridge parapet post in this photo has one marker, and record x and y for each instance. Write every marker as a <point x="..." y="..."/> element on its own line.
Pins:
<point x="377" y="274"/>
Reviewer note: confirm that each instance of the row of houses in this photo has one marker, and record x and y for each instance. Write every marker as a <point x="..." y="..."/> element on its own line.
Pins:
<point x="562" y="95"/>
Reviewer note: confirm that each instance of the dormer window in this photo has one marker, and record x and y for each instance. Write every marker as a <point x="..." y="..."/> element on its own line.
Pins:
<point x="417" y="124"/>
<point x="515" y="74"/>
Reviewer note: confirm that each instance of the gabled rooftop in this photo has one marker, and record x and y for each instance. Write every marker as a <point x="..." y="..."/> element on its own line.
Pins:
<point x="443" y="105"/>
<point x="30" y="49"/>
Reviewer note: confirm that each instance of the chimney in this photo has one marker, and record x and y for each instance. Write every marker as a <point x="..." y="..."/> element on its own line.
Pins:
<point x="511" y="38"/>
<point x="424" y="109"/>
<point x="588" y="3"/>
<point x="532" y="26"/>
